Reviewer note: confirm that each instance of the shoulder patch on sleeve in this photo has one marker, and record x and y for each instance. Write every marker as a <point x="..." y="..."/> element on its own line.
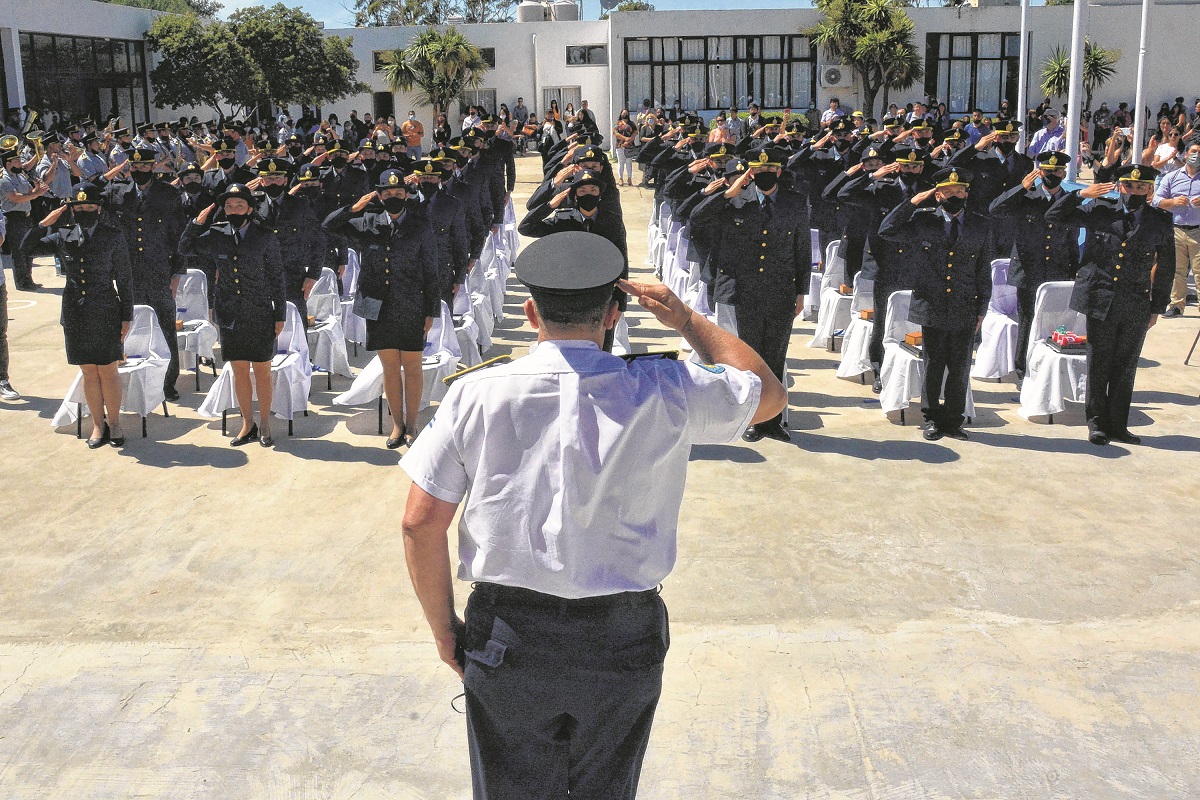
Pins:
<point x="715" y="369"/>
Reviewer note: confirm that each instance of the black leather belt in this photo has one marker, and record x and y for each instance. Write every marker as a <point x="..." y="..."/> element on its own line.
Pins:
<point x="498" y="594"/>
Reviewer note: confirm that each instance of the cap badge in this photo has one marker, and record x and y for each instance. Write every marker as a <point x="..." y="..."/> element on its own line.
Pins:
<point x="81" y="195"/>
<point x="1053" y="161"/>
<point x="271" y="166"/>
<point x="1136" y="174"/>
<point x="393" y="180"/>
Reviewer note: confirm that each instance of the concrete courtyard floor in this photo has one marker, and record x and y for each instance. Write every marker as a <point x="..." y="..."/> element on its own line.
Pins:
<point x="859" y="614"/>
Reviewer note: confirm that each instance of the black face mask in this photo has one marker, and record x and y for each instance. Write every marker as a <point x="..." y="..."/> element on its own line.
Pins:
<point x="225" y="163"/>
<point x="1133" y="202"/>
<point x="1052" y="181"/>
<point x="274" y="190"/>
<point x="766" y="181"/>
<point x="339" y="163"/>
<point x="842" y="144"/>
<point x="143" y="178"/>
<point x="394" y="205"/>
<point x="953" y="205"/>
<point x="428" y="190"/>
<point x="192" y="188"/>
<point x="86" y="219"/>
<point x="16" y="170"/>
<point x="237" y="220"/>
<point x="587" y="202"/>
<point x="1007" y="148"/>
<point x="295" y="150"/>
<point x="909" y="178"/>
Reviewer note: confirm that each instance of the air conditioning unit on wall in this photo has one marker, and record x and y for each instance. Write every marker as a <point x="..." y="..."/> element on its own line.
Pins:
<point x="836" y="76"/>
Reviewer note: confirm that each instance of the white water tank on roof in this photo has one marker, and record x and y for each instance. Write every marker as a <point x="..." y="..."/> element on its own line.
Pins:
<point x="565" y="11"/>
<point x="531" y="11"/>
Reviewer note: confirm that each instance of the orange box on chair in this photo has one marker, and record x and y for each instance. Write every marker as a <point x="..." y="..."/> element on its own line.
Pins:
<point x="867" y="314"/>
<point x="913" y="339"/>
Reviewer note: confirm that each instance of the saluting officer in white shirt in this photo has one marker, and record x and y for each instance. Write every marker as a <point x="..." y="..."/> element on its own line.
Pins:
<point x="571" y="463"/>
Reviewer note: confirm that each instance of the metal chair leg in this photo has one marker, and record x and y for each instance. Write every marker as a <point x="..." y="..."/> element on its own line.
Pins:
<point x="381" y="415"/>
<point x="902" y="422"/>
<point x="165" y="414"/>
<point x="79" y="421"/>
<point x="143" y="427"/>
<point x="224" y="421"/>
<point x="1193" y="350"/>
<point x="329" y="381"/>
<point x="1051" y="419"/>
<point x="289" y="427"/>
<point x="197" y="373"/>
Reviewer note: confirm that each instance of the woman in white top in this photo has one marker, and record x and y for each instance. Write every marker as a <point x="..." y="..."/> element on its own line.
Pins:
<point x="1167" y="156"/>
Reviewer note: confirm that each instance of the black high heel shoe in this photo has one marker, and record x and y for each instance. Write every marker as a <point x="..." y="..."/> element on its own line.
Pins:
<point x="238" y="441"/>
<point x="103" y="440"/>
<point x="116" y="441"/>
<point x="267" y="441"/>
<point x="392" y="444"/>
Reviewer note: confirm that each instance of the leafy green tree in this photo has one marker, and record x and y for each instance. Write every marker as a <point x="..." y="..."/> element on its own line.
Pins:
<point x="875" y="38"/>
<point x="275" y="55"/>
<point x="202" y="64"/>
<point x="440" y="66"/>
<point x="298" y="63"/>
<point x="204" y="8"/>
<point x="375" y="13"/>
<point x="1099" y="67"/>
<point x="630" y="5"/>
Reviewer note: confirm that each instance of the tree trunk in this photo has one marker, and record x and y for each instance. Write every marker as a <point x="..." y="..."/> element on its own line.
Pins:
<point x="870" y="91"/>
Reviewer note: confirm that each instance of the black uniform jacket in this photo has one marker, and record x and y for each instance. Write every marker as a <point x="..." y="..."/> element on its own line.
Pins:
<point x="1042" y="250"/>
<point x="250" y="279"/>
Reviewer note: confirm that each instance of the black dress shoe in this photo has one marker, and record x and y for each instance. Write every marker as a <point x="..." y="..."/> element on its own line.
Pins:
<point x="392" y="444"/>
<point x="752" y="434"/>
<point x="266" y="441"/>
<point x="238" y="441"/>
<point x="956" y="433"/>
<point x="1172" y="313"/>
<point x="1098" y="437"/>
<point x="170" y="394"/>
<point x="117" y="441"/>
<point x="103" y="440"/>
<point x="877" y="386"/>
<point x="773" y="430"/>
<point x="931" y="432"/>
<point x="1125" y="437"/>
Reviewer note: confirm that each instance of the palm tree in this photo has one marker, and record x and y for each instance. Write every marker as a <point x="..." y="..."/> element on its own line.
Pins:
<point x="440" y="66"/>
<point x="1099" y="66"/>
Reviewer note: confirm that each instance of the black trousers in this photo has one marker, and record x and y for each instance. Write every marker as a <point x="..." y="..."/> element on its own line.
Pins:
<point x="18" y="223"/>
<point x="1026" y="300"/>
<point x="1113" y="347"/>
<point x="3" y="331"/>
<point x="768" y="330"/>
<point x="882" y="293"/>
<point x="164" y="309"/>
<point x="561" y="694"/>
<point x="947" y="358"/>
<point x="854" y="250"/>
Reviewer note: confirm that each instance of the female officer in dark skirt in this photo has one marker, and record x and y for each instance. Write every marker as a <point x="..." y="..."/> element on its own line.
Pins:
<point x="251" y="299"/>
<point x="97" y="301"/>
<point x="399" y="288"/>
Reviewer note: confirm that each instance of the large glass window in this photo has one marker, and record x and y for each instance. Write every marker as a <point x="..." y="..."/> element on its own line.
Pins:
<point x="975" y="70"/>
<point x="80" y="76"/>
<point x="717" y="72"/>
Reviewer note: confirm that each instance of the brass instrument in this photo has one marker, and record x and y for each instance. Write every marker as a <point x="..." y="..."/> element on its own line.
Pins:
<point x="28" y="126"/>
<point x="10" y="142"/>
<point x="35" y="139"/>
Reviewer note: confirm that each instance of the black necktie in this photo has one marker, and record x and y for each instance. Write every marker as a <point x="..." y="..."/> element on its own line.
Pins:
<point x="768" y="206"/>
<point x="953" y="231"/>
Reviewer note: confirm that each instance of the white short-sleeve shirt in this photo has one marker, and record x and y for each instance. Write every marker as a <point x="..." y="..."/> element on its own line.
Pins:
<point x="572" y="464"/>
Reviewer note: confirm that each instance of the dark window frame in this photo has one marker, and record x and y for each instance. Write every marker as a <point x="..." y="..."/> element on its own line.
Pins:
<point x="47" y="85"/>
<point x="753" y="66"/>
<point x="937" y="66"/>
<point x="587" y="51"/>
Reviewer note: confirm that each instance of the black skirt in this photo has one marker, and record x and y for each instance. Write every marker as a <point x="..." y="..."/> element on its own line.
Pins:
<point x="93" y="336"/>
<point x="404" y="334"/>
<point x="250" y="339"/>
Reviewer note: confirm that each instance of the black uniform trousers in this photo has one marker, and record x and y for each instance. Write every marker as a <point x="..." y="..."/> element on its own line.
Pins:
<point x="1026" y="300"/>
<point x="854" y="249"/>
<point x="163" y="303"/>
<point x="1113" y="347"/>
<point x="768" y="331"/>
<point x="18" y="224"/>
<point x="3" y="331"/>
<point x="947" y="358"/>
<point x="875" y="352"/>
<point x="561" y="694"/>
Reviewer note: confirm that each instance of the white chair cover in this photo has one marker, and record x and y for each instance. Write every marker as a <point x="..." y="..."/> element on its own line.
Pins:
<point x="353" y="326"/>
<point x="291" y="375"/>
<point x="812" y="299"/>
<point x="833" y="270"/>
<point x="856" y="344"/>
<point x="327" y="341"/>
<point x="147" y="357"/>
<point x="903" y="374"/>
<point x="198" y="338"/>
<point x="191" y="296"/>
<point x="835" y="306"/>
<point x="324" y="301"/>
<point x="997" y="355"/>
<point x="1051" y="378"/>
<point x="512" y="241"/>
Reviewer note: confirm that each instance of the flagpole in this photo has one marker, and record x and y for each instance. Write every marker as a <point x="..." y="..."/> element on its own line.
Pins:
<point x="1075" y="95"/>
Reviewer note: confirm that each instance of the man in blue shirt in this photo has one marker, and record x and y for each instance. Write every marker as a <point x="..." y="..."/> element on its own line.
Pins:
<point x="977" y="128"/>
<point x="1179" y="193"/>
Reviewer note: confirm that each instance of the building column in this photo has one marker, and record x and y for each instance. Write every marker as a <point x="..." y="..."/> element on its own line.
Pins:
<point x="10" y="43"/>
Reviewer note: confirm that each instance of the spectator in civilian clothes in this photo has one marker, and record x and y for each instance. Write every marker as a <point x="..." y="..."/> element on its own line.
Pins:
<point x="1179" y="193"/>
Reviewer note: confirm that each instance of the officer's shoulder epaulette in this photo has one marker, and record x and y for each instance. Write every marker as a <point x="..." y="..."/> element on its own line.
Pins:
<point x="661" y="355"/>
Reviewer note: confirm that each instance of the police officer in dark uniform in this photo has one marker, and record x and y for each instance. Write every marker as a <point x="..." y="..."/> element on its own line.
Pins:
<point x="813" y="168"/>
<point x="192" y="200"/>
<point x="876" y="194"/>
<point x="857" y="218"/>
<point x="765" y="261"/>
<point x="998" y="168"/>
<point x="584" y="158"/>
<point x="251" y="299"/>
<point x="400" y="281"/>
<point x="227" y="172"/>
<point x="456" y="185"/>
<point x="151" y="216"/>
<point x="500" y="156"/>
<point x="1123" y="285"/>
<point x="470" y="181"/>
<point x="291" y="218"/>
<point x="949" y="252"/>
<point x="97" y="301"/>
<point x="446" y="218"/>
<point x="1042" y="251"/>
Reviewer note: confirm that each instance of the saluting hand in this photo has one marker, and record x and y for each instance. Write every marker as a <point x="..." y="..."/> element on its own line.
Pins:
<point x="719" y="183"/>
<point x="52" y="217"/>
<point x="857" y="168"/>
<point x="202" y="217"/>
<point x="363" y="201"/>
<point x="559" y="199"/>
<point x="921" y="197"/>
<point x="741" y="183"/>
<point x="1029" y="179"/>
<point x="987" y="141"/>
<point x="885" y="170"/>
<point x="1096" y="190"/>
<point x="697" y="165"/>
<point x="660" y="301"/>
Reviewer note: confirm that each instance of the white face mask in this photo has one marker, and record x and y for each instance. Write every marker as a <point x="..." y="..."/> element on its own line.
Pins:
<point x="1193" y="160"/>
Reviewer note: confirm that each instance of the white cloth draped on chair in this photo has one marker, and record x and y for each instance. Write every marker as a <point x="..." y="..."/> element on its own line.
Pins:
<point x="291" y="375"/>
<point x="353" y="326"/>
<point x="143" y="371"/>
<point x="903" y="373"/>
<point x="856" y="344"/>
<point x="997" y="354"/>
<point x="191" y="296"/>
<point x="835" y="307"/>
<point x="198" y="336"/>
<point x="437" y="362"/>
<point x="1052" y="378"/>
<point x="812" y="299"/>
<point x="325" y="300"/>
